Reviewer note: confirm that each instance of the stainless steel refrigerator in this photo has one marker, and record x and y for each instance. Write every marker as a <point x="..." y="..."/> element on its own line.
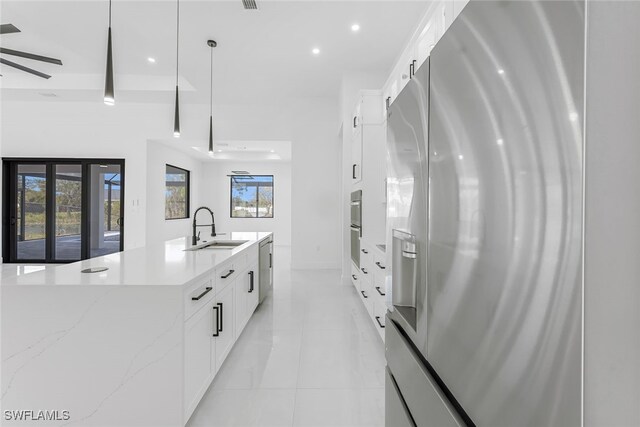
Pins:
<point x="484" y="213"/>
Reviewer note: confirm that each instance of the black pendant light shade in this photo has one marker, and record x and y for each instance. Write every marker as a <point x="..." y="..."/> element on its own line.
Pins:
<point x="176" y="118"/>
<point x="109" y="96"/>
<point x="211" y="44"/>
<point x="210" y="134"/>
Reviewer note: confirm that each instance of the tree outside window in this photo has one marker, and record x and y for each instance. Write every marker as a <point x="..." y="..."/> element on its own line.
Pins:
<point x="251" y="196"/>
<point x="176" y="193"/>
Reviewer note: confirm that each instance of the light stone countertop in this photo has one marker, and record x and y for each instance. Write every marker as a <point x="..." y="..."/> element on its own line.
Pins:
<point x="157" y="265"/>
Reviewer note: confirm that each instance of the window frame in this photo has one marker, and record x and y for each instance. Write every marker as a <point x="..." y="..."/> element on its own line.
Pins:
<point x="9" y="236"/>
<point x="273" y="204"/>
<point x="187" y="192"/>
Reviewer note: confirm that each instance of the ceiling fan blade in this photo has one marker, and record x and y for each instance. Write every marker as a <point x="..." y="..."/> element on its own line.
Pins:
<point x="23" y="68"/>
<point x="30" y="56"/>
<point x="8" y="29"/>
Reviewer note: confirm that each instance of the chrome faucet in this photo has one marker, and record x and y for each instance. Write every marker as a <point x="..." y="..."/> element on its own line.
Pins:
<point x="195" y="238"/>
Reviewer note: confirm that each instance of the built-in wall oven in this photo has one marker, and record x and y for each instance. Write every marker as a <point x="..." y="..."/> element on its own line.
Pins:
<point x="356" y="226"/>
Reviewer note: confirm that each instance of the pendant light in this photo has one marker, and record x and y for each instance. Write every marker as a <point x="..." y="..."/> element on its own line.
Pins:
<point x="176" y="118"/>
<point x="109" y="97"/>
<point x="211" y="44"/>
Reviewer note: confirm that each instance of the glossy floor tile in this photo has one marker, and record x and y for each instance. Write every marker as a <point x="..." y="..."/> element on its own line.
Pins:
<point x="309" y="356"/>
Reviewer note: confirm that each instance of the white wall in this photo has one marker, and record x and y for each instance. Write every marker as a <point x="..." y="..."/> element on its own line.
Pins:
<point x="89" y="130"/>
<point x="158" y="229"/>
<point x="215" y="193"/>
<point x="316" y="196"/>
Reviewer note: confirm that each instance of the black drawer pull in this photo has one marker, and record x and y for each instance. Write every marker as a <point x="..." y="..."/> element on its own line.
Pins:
<point x="364" y="270"/>
<point x="221" y="315"/>
<point x="364" y="251"/>
<point x="363" y="294"/>
<point x="228" y="274"/>
<point x="217" y="329"/>
<point x="251" y="282"/>
<point x="378" y="320"/>
<point x="207" y="290"/>
<point x="379" y="291"/>
<point x="353" y="171"/>
<point x="354" y="277"/>
<point x="379" y="265"/>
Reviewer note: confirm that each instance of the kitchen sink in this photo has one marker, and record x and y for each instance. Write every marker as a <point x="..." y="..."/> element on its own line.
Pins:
<point x="218" y="244"/>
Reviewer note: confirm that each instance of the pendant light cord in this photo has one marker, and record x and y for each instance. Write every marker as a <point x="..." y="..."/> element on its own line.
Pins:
<point x="109" y="13"/>
<point x="177" y="37"/>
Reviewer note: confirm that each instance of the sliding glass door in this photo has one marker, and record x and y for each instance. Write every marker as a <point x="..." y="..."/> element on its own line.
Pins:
<point x="62" y="210"/>
<point x="30" y="211"/>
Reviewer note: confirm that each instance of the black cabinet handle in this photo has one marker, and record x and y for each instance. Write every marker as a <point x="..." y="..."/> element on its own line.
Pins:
<point x="379" y="265"/>
<point x="379" y="291"/>
<point x="221" y="315"/>
<point x="270" y="260"/>
<point x="228" y="274"/>
<point x="364" y="251"/>
<point x="217" y="330"/>
<point x="207" y="290"/>
<point x="364" y="270"/>
<point x="363" y="294"/>
<point x="355" y="121"/>
<point x="354" y="277"/>
<point x="251" y="282"/>
<point x="378" y="320"/>
<point x="412" y="69"/>
<point x="353" y="171"/>
<point x="388" y="102"/>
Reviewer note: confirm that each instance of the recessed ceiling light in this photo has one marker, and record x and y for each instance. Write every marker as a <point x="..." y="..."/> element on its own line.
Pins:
<point x="500" y="71"/>
<point x="315" y="51"/>
<point x="151" y="60"/>
<point x="573" y="117"/>
<point x="273" y="151"/>
<point x="219" y="151"/>
<point x="500" y="141"/>
<point x="461" y="157"/>
<point x="355" y="28"/>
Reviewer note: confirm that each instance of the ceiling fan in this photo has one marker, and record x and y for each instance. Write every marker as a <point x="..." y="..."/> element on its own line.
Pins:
<point x="10" y="28"/>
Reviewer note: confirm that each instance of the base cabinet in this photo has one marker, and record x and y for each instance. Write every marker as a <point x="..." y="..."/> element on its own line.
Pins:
<point x="222" y="343"/>
<point x="247" y="295"/>
<point x="199" y="352"/>
<point x="224" y="302"/>
<point x="369" y="282"/>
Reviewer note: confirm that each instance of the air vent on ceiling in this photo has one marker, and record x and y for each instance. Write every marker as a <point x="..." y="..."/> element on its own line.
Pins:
<point x="240" y="172"/>
<point x="250" y="4"/>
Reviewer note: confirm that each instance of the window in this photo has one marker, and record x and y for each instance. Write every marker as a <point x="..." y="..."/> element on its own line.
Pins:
<point x="176" y="194"/>
<point x="252" y="196"/>
<point x="62" y="210"/>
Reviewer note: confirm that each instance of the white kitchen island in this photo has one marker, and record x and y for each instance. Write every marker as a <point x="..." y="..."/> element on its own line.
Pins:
<point x="135" y="345"/>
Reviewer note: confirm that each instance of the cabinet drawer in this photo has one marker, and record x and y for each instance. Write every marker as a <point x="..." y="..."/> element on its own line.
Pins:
<point x="379" y="261"/>
<point x="355" y="276"/>
<point x="366" y="296"/>
<point x="379" y="316"/>
<point x="225" y="274"/>
<point x="197" y="295"/>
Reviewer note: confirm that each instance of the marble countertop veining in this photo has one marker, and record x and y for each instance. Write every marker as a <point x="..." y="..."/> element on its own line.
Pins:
<point x="162" y="265"/>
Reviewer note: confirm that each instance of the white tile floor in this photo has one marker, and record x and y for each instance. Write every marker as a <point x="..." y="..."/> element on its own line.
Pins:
<point x="308" y="357"/>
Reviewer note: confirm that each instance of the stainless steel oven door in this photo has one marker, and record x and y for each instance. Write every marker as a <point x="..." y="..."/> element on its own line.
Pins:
<point x="355" y="245"/>
<point x="356" y="208"/>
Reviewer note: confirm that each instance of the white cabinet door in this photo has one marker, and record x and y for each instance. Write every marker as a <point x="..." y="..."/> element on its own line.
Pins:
<point x="356" y="156"/>
<point x="198" y="356"/>
<point x="226" y="336"/>
<point x="241" y="289"/>
<point x="253" y="293"/>
<point x="247" y="296"/>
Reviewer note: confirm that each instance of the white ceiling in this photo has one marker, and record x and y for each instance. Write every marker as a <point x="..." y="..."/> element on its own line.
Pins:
<point x="263" y="56"/>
